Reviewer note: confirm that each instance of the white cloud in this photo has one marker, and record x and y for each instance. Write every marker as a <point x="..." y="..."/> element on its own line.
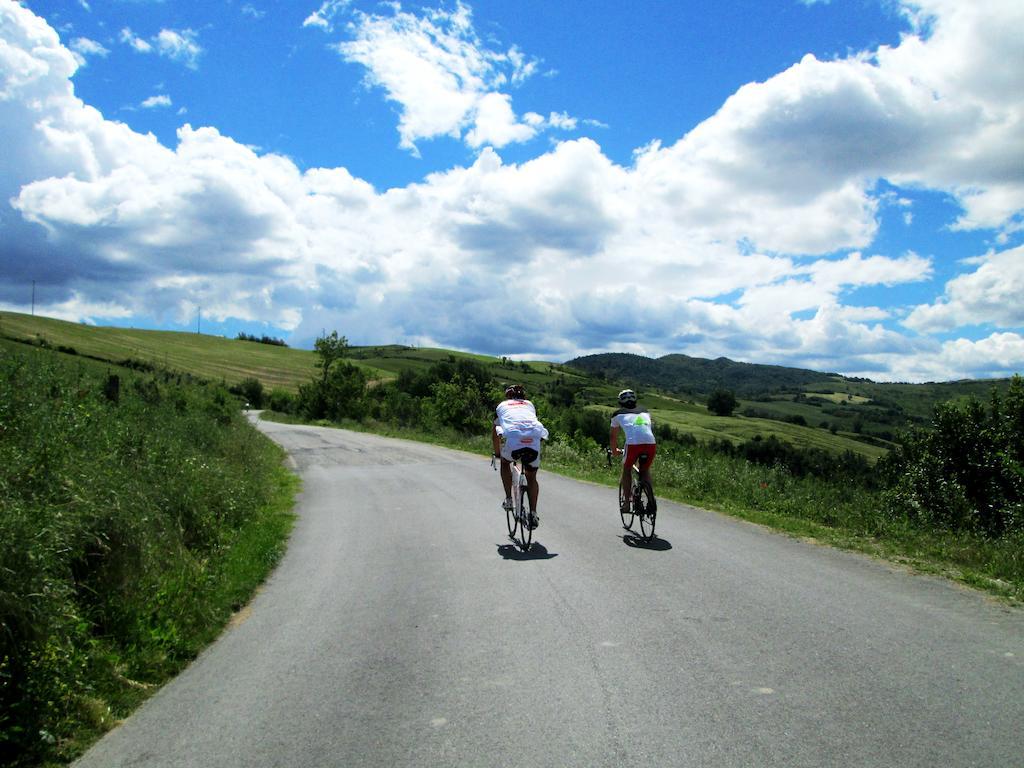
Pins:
<point x="136" y="42"/>
<point x="86" y="47"/>
<point x="249" y="10"/>
<point x="445" y="79"/>
<point x="939" y="112"/>
<point x="160" y="100"/>
<point x="325" y="14"/>
<point x="495" y="123"/>
<point x="1000" y="353"/>
<point x="991" y="295"/>
<point x="724" y="242"/>
<point x="177" y="45"/>
<point x="562" y="121"/>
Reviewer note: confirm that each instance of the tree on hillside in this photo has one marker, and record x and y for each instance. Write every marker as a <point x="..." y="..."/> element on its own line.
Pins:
<point x="967" y="471"/>
<point x="329" y="348"/>
<point x="722" y="402"/>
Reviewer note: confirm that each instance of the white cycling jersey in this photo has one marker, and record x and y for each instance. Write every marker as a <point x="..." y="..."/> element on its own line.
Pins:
<point x="516" y="421"/>
<point x="635" y="424"/>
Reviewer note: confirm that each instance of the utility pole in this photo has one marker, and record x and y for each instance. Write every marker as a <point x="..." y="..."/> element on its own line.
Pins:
<point x="33" y="298"/>
<point x="199" y="321"/>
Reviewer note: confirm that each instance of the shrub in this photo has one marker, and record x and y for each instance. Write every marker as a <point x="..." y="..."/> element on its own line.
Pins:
<point x="336" y="397"/>
<point x="967" y="471"/>
<point x="722" y="402"/>
<point x="252" y="390"/>
<point x="282" y="401"/>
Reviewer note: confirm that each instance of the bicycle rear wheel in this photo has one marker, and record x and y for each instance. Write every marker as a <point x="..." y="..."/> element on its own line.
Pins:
<point x="645" y="509"/>
<point x="523" y="505"/>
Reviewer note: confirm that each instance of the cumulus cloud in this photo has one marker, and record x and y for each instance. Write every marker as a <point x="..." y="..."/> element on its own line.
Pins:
<point x="160" y="100"/>
<point x="178" y="45"/>
<point x="750" y="236"/>
<point x="136" y="42"/>
<point x="991" y="294"/>
<point x="86" y="47"/>
<point x="445" y="79"/>
<point x="938" y="112"/>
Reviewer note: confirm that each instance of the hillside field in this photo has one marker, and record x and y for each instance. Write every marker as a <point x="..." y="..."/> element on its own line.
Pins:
<point x="804" y="408"/>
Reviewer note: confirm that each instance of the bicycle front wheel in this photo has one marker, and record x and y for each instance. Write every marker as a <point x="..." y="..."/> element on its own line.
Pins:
<point x="510" y="520"/>
<point x="627" y="517"/>
<point x="645" y="508"/>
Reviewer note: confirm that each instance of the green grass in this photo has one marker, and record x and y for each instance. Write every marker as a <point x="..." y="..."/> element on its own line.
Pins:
<point x="132" y="527"/>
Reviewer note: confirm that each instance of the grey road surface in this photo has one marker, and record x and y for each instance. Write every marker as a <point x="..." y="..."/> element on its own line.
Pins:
<point x="402" y="629"/>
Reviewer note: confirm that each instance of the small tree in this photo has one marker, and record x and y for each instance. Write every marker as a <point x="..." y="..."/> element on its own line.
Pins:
<point x="329" y="348"/>
<point x="338" y="397"/>
<point x="722" y="402"/>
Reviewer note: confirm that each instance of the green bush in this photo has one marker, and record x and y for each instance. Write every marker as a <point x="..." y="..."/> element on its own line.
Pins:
<point x="339" y="395"/>
<point x="965" y="473"/>
<point x="282" y="401"/>
<point x="251" y="389"/>
<point x="722" y="402"/>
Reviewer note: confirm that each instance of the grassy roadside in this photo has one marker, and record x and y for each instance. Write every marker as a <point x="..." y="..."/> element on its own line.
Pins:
<point x="228" y="585"/>
<point x="139" y="512"/>
<point x="834" y="514"/>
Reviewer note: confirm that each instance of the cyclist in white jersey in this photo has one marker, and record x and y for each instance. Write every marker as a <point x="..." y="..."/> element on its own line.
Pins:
<point x="635" y="423"/>
<point x="516" y="428"/>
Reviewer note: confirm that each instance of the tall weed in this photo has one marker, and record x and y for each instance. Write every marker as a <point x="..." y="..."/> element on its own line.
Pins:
<point x="121" y="505"/>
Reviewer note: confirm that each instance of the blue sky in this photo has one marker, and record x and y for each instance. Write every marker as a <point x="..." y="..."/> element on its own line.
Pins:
<point x="833" y="185"/>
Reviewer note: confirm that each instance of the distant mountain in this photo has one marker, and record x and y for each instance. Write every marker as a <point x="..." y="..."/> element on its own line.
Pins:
<point x="698" y="376"/>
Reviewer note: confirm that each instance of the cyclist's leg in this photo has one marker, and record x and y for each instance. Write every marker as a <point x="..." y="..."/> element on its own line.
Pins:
<point x="631" y="456"/>
<point x="506" y="477"/>
<point x="645" y="471"/>
<point x="506" y="468"/>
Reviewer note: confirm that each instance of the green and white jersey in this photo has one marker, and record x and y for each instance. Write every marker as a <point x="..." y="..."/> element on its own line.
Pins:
<point x="635" y="424"/>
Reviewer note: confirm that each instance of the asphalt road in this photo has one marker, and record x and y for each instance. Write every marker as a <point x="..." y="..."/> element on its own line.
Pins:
<point x="402" y="629"/>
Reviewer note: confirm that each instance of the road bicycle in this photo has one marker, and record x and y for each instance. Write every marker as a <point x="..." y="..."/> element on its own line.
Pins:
<point x="518" y="517"/>
<point x="643" y="505"/>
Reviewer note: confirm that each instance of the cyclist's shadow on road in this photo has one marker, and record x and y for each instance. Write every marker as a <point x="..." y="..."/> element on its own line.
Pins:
<point x="638" y="542"/>
<point x="537" y="551"/>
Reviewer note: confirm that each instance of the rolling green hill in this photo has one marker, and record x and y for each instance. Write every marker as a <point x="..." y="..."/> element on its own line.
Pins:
<point x="209" y="357"/>
<point x="698" y="376"/>
<point x="863" y="408"/>
<point x="805" y="408"/>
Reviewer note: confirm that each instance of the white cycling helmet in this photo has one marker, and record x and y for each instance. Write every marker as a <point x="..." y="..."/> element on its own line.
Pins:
<point x="627" y="398"/>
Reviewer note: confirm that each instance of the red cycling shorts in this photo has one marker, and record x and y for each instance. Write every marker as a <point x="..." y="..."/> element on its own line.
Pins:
<point x="633" y="453"/>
